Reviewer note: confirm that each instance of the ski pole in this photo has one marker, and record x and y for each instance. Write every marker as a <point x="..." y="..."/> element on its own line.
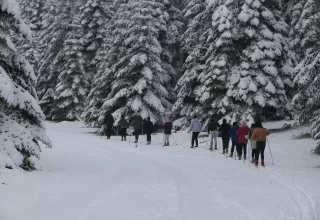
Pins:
<point x="157" y="139"/>
<point x="115" y="130"/>
<point x="174" y="139"/>
<point x="270" y="151"/>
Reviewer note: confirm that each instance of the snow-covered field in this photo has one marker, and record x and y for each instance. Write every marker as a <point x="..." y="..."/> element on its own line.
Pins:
<point x="86" y="177"/>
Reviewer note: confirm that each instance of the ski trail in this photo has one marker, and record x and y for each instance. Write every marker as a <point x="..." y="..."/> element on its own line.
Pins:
<point x="304" y="201"/>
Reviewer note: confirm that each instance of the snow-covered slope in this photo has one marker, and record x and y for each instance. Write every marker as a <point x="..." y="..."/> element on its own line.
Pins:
<point x="86" y="177"/>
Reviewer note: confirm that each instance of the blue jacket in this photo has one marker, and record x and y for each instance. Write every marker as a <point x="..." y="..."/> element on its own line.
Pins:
<point x="233" y="133"/>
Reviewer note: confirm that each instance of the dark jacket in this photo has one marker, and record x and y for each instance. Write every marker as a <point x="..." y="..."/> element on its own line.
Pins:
<point x="123" y="123"/>
<point x="224" y="129"/>
<point x="137" y="123"/>
<point x="148" y="127"/>
<point x="213" y="126"/>
<point x="167" y="128"/>
<point x="108" y="120"/>
<point x="233" y="133"/>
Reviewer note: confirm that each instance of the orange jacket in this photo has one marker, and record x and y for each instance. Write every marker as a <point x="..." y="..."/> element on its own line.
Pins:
<point x="260" y="134"/>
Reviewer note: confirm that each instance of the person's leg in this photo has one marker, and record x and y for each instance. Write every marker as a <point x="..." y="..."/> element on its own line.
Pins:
<point x="192" y="139"/>
<point x="149" y="136"/>
<point x="245" y="150"/>
<point x="239" y="150"/>
<point x="137" y="133"/>
<point x="257" y="152"/>
<point x="124" y="130"/>
<point x="215" y="136"/>
<point x="109" y="131"/>
<point x="263" y="147"/>
<point x="234" y="143"/>
<point x="167" y="139"/>
<point x="227" y="145"/>
<point x="196" y="138"/>
<point x="253" y="155"/>
<point x="211" y="139"/>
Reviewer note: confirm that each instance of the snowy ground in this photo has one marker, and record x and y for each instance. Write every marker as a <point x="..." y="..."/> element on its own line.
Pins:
<point x="86" y="177"/>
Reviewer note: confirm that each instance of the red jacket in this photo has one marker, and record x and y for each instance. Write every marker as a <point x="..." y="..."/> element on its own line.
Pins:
<point x="242" y="132"/>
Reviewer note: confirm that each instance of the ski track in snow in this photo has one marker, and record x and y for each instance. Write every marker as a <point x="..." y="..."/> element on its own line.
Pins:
<point x="86" y="177"/>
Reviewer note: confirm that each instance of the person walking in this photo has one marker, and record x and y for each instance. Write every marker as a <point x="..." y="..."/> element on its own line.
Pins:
<point x="108" y="121"/>
<point x="253" y="144"/>
<point x="260" y="136"/>
<point x="195" y="127"/>
<point x="225" y="129"/>
<point x="167" y="131"/>
<point x="243" y="133"/>
<point x="137" y="125"/>
<point x="123" y="124"/>
<point x="234" y="137"/>
<point x="213" y="132"/>
<point x="148" y="128"/>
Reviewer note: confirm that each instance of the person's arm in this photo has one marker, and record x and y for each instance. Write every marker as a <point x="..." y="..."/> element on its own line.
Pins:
<point x="267" y="132"/>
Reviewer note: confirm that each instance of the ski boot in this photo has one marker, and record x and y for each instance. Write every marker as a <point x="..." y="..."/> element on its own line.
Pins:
<point x="257" y="163"/>
<point x="262" y="163"/>
<point x="215" y="147"/>
<point x="231" y="154"/>
<point x="253" y="160"/>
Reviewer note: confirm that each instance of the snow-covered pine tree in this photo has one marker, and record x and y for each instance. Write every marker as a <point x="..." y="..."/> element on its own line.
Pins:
<point x="263" y="77"/>
<point x="194" y="48"/>
<point x="307" y="79"/>
<point x="59" y="24"/>
<point x="292" y="11"/>
<point x="21" y="119"/>
<point x="95" y="17"/>
<point x="31" y="13"/>
<point x="135" y="79"/>
<point x="172" y="58"/>
<point x="73" y="83"/>
<point x="221" y="56"/>
<point x="101" y="85"/>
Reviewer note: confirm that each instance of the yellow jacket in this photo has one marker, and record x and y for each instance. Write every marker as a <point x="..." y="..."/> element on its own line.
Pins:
<point x="259" y="134"/>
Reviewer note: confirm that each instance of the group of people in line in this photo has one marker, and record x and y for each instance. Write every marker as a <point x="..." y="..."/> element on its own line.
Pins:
<point x="140" y="126"/>
<point x="239" y="134"/>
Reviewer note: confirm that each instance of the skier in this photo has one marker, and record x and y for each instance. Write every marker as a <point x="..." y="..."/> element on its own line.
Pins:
<point x="123" y="124"/>
<point x="234" y="137"/>
<point x="148" y="128"/>
<point x="108" y="121"/>
<point x="195" y="127"/>
<point x="252" y="144"/>
<point x="167" y="131"/>
<point x="260" y="136"/>
<point x="213" y="131"/>
<point x="137" y="125"/>
<point x="224" y="129"/>
<point x="243" y="133"/>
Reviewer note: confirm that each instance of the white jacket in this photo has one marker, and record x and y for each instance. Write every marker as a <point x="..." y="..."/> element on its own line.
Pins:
<point x="195" y="126"/>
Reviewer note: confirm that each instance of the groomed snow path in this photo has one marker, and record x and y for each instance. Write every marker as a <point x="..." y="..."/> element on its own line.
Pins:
<point x="86" y="177"/>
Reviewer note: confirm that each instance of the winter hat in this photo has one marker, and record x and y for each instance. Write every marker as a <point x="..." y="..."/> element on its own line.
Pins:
<point x="243" y="124"/>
